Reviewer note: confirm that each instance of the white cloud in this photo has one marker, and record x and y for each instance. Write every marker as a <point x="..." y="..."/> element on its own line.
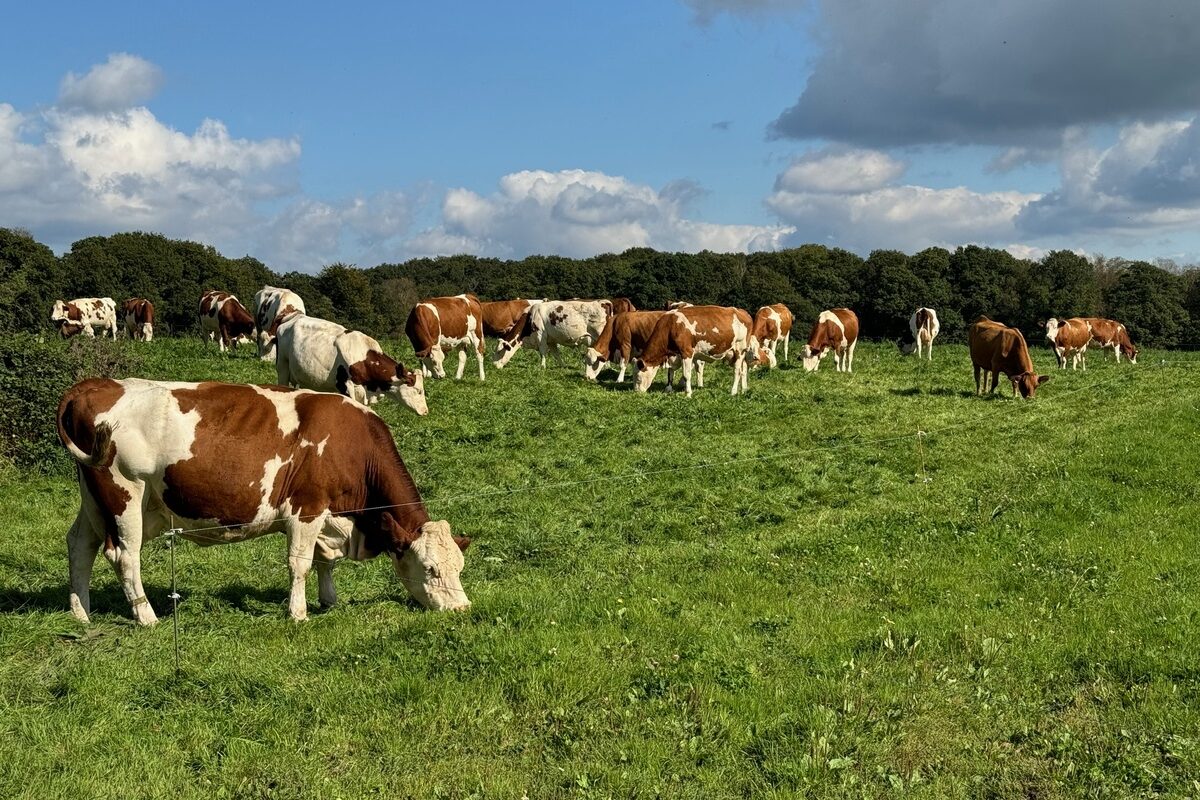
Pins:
<point x="581" y="213"/>
<point x="848" y="198"/>
<point x="119" y="83"/>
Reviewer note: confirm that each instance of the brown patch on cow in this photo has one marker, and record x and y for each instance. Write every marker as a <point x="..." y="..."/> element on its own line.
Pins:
<point x="375" y="372"/>
<point x="503" y="318"/>
<point x="77" y="412"/>
<point x="556" y="316"/>
<point x="622" y="305"/>
<point x="74" y="312"/>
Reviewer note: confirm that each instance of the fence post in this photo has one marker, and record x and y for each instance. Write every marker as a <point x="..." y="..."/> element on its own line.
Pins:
<point x="174" y="595"/>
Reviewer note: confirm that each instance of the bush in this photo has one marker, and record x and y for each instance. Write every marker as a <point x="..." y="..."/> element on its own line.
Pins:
<point x="33" y="376"/>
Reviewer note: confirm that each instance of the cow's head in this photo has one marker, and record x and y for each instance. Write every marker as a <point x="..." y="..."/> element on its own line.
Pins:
<point x="593" y="362"/>
<point x="1130" y="352"/>
<point x="811" y="359"/>
<point x="409" y="386"/>
<point x="428" y="563"/>
<point x="1052" y="329"/>
<point x="645" y="376"/>
<point x="1027" y="382"/>
<point x="505" y="350"/>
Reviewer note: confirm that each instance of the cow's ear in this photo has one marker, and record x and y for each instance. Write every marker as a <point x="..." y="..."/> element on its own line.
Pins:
<point x="463" y="542"/>
<point x="400" y="539"/>
<point x="1042" y="379"/>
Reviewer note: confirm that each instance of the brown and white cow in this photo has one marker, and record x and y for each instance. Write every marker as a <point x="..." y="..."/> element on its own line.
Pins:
<point x="622" y="305"/>
<point x="441" y="325"/>
<point x="772" y="325"/>
<point x="624" y="338"/>
<point x="312" y="353"/>
<point x="835" y="330"/>
<point x="1108" y="333"/>
<point x="273" y="306"/>
<point x="85" y="315"/>
<point x="997" y="348"/>
<point x="707" y="333"/>
<point x="138" y="315"/>
<point x="508" y="321"/>
<point x="225" y="319"/>
<point x="555" y="323"/>
<point x="924" y="327"/>
<point x="1069" y="339"/>
<point x="230" y="462"/>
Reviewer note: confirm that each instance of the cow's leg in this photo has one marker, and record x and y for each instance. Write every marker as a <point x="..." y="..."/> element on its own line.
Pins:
<point x="837" y="360"/>
<point x="462" y="363"/>
<point x="737" y="376"/>
<point x="977" y="391"/>
<point x="325" y="589"/>
<point x="126" y="558"/>
<point x="699" y="376"/>
<point x="82" y="544"/>
<point x="436" y="359"/>
<point x="786" y="339"/>
<point x="557" y="355"/>
<point x="479" y="351"/>
<point x="850" y="363"/>
<point x="621" y="373"/>
<point x="687" y="376"/>
<point x="302" y="550"/>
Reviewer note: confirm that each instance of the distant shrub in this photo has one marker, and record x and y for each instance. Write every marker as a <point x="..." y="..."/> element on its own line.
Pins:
<point x="33" y="376"/>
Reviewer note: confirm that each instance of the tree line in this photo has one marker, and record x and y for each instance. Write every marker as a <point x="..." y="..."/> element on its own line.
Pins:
<point x="1159" y="303"/>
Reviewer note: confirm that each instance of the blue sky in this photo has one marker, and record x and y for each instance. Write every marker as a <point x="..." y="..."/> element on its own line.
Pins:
<point x="384" y="131"/>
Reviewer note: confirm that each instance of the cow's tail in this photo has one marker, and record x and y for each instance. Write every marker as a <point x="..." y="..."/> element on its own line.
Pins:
<point x="103" y="446"/>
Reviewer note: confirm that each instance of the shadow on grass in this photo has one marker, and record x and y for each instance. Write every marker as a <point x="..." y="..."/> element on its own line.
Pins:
<point x="940" y="391"/>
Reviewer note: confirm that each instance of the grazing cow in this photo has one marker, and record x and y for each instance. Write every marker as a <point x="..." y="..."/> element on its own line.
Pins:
<point x="230" y="462"/>
<point x="562" y="322"/>
<point x="508" y="321"/>
<point x="835" y="330"/>
<point x="996" y="348"/>
<point x="273" y="307"/>
<point x="772" y="325"/>
<point x="441" y="325"/>
<point x="624" y="338"/>
<point x="1069" y="338"/>
<point x="312" y="353"/>
<point x="85" y="315"/>
<point x="924" y="327"/>
<point x="622" y="305"/>
<point x="224" y="318"/>
<point x="709" y="333"/>
<point x="1110" y="333"/>
<point x="138" y="316"/>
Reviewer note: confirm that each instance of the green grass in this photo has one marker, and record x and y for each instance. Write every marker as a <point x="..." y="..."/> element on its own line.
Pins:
<point x="1008" y="608"/>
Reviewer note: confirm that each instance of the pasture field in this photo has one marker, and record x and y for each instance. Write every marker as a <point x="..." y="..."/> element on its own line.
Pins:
<point x="778" y="595"/>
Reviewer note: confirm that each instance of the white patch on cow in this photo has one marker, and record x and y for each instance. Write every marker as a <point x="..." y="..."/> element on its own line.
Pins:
<point x="285" y="408"/>
<point x="430" y="569"/>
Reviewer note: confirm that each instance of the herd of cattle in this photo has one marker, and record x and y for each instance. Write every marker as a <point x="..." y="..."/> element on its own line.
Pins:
<point x="227" y="462"/>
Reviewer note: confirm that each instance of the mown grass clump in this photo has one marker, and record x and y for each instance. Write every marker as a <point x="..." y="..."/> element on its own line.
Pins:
<point x="783" y="594"/>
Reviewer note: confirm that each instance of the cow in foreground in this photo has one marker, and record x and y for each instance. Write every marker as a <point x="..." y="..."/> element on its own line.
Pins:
<point x="997" y="348"/>
<point x="85" y="315"/>
<point x="624" y="338"/>
<point x="1069" y="339"/>
<point x="1108" y="333"/>
<point x="441" y="325"/>
<point x="707" y="333"/>
<point x="835" y="330"/>
<point x="225" y="319"/>
<point x="924" y="327"/>
<point x="312" y="353"/>
<point x="555" y="323"/>
<point x="772" y="325"/>
<point x="230" y="462"/>
<point x="273" y="306"/>
<point x="137" y="314"/>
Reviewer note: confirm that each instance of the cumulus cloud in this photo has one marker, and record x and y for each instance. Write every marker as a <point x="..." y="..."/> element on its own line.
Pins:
<point x="581" y="213"/>
<point x="119" y="83"/>
<point x="975" y="71"/>
<point x="850" y="198"/>
<point x="1146" y="181"/>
